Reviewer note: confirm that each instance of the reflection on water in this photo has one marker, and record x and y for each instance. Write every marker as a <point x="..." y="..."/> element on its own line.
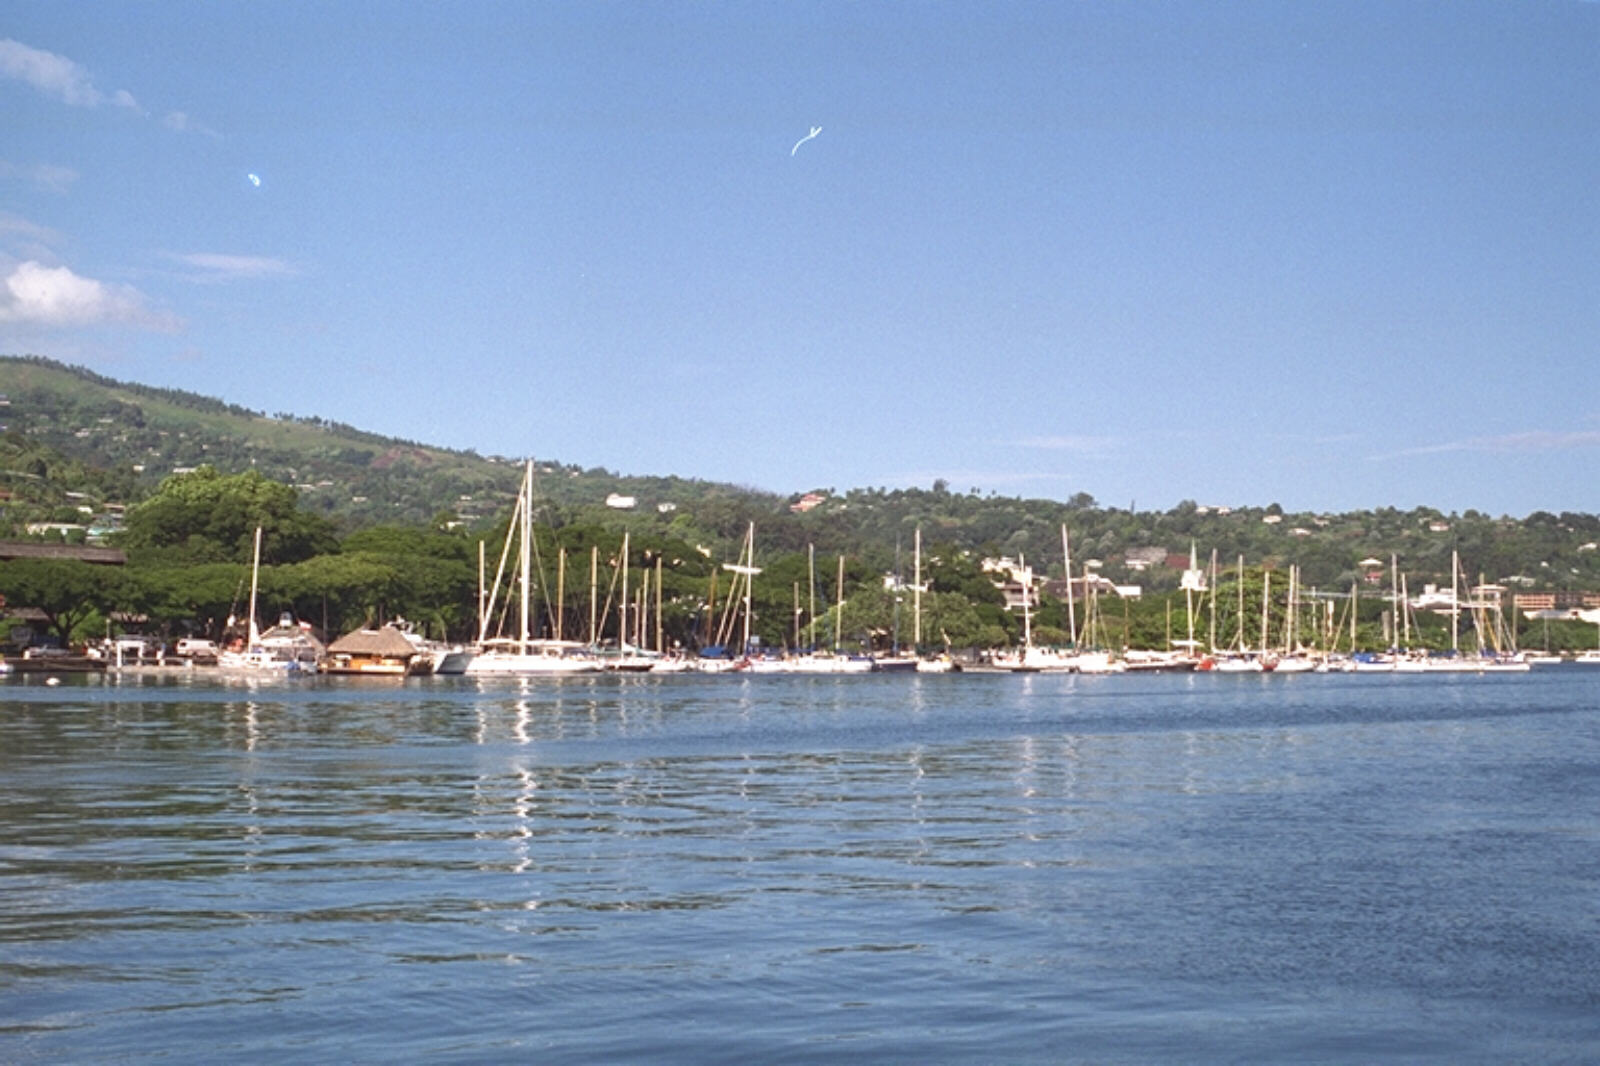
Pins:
<point x="969" y="868"/>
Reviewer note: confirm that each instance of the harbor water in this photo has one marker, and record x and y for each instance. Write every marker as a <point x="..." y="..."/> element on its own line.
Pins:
<point x="802" y="869"/>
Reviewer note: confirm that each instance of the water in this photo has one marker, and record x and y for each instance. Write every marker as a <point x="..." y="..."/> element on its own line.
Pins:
<point x="803" y="869"/>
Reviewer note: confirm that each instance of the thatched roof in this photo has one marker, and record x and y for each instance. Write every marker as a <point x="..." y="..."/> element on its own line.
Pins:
<point x="388" y="642"/>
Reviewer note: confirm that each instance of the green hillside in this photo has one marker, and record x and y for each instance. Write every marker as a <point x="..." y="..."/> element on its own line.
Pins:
<point x="80" y="448"/>
<point x="115" y="442"/>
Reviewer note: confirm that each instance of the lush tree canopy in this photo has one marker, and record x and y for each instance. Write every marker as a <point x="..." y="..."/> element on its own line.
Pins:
<point x="206" y="517"/>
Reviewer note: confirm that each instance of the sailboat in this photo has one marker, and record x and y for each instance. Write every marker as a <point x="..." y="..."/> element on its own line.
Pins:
<point x="939" y="664"/>
<point x="895" y="662"/>
<point x="257" y="657"/>
<point x="521" y="655"/>
<point x="1240" y="661"/>
<point x="1294" y="660"/>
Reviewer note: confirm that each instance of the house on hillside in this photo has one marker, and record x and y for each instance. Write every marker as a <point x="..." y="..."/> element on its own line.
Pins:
<point x="807" y="502"/>
<point x="1141" y="559"/>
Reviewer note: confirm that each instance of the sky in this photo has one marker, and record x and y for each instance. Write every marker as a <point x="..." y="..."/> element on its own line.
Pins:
<point x="1331" y="256"/>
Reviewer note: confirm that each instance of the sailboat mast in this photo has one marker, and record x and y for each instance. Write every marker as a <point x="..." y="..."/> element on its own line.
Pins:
<point x="896" y="631"/>
<point x="561" y="592"/>
<point x="527" y="553"/>
<point x="916" y="590"/>
<point x="1266" y="600"/>
<point x="622" y="604"/>
<point x="1241" y="603"/>
<point x="1455" y="604"/>
<point x="838" y="621"/>
<point x="1212" y="602"/>
<point x="594" y="594"/>
<point x="661" y="639"/>
<point x="1027" y="611"/>
<point x="749" y="583"/>
<point x="1188" y="598"/>
<point x="252" y="632"/>
<point x="811" y="596"/>
<point x="1072" y="616"/>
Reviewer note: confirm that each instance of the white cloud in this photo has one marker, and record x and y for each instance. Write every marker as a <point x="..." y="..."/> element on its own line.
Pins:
<point x="15" y="224"/>
<point x="50" y="178"/>
<point x="1536" y="440"/>
<point x="217" y="267"/>
<point x="51" y="74"/>
<point x="180" y="122"/>
<point x="54" y="296"/>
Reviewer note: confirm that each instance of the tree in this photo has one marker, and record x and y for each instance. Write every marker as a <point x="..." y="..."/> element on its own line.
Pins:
<point x="183" y="595"/>
<point x="67" y="591"/>
<point x="205" y="517"/>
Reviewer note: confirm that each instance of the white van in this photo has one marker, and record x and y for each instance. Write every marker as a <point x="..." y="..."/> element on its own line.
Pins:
<point x="190" y="647"/>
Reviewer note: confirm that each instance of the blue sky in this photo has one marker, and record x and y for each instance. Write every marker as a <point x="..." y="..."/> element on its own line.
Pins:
<point x="1332" y="256"/>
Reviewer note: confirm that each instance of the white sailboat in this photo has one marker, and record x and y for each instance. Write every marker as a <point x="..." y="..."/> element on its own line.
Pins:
<point x="522" y="655"/>
<point x="256" y="657"/>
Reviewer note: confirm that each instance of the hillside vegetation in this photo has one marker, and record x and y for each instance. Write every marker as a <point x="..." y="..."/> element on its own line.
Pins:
<point x="81" y="450"/>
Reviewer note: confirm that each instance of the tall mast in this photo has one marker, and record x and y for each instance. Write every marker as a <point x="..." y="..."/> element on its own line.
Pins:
<point x="622" y="604"/>
<point x="916" y="591"/>
<point x="749" y="582"/>
<point x="561" y="592"/>
<point x="1212" y="601"/>
<point x="897" y="594"/>
<point x="641" y="616"/>
<point x="594" y="594"/>
<point x="811" y="596"/>
<point x="661" y="640"/>
<point x="1405" y="610"/>
<point x="1455" y="603"/>
<point x="838" y="621"/>
<point x="252" y="632"/>
<point x="1190" y="580"/>
<point x="483" y="620"/>
<point x="711" y="608"/>
<point x="1066" y="554"/>
<point x="1266" y="601"/>
<point x="1241" y="603"/>
<point x="527" y="553"/>
<point x="1027" y="612"/>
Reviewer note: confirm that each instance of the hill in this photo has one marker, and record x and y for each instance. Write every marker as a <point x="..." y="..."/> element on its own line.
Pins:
<point x="77" y="447"/>
<point x="114" y="442"/>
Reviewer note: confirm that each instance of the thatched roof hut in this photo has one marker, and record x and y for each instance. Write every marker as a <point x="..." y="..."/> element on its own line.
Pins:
<point x="385" y="643"/>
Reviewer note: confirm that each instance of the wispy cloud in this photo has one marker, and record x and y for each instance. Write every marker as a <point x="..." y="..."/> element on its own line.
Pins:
<point x="215" y="267"/>
<point x="50" y="178"/>
<point x="1070" y="443"/>
<point x="1315" y="438"/>
<point x="180" y="122"/>
<point x="57" y="76"/>
<point x="15" y="225"/>
<point x="21" y="239"/>
<point x="35" y="294"/>
<point x="1536" y="440"/>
